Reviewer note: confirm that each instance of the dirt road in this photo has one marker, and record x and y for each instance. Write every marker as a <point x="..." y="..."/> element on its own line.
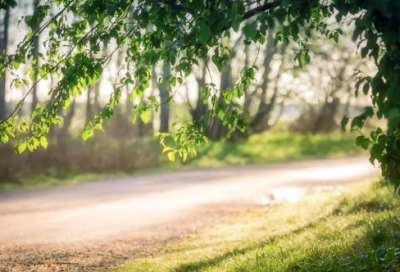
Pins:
<point x="99" y="224"/>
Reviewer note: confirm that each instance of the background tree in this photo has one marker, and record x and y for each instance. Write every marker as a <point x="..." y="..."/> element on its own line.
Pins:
<point x="3" y="51"/>
<point x="164" y="96"/>
<point x="152" y="37"/>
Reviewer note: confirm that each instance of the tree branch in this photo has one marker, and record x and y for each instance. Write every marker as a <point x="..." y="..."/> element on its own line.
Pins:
<point x="178" y="7"/>
<point x="259" y="9"/>
<point x="255" y="11"/>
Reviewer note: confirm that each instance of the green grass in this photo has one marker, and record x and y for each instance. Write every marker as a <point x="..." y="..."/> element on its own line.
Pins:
<point x="276" y="147"/>
<point x="355" y="231"/>
<point x="43" y="181"/>
<point x="267" y="148"/>
<point x="259" y="149"/>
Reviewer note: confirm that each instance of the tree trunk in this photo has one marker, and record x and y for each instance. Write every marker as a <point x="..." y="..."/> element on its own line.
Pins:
<point x="63" y="140"/>
<point x="200" y="108"/>
<point x="248" y="96"/>
<point x="64" y="132"/>
<point x="264" y="108"/>
<point x="35" y="65"/>
<point x="3" y="50"/>
<point x="89" y="105"/>
<point x="217" y="130"/>
<point x="325" y="121"/>
<point x="164" y="95"/>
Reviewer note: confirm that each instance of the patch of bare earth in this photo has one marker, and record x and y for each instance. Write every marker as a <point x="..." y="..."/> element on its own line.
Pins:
<point x="105" y="254"/>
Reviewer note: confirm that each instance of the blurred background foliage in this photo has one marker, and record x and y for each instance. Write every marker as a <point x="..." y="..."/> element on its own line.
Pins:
<point x="292" y="113"/>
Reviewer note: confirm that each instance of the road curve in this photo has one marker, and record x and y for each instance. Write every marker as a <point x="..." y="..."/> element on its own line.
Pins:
<point x="97" y="210"/>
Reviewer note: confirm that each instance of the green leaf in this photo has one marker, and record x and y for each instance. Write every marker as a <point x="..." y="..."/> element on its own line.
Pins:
<point x="173" y="81"/>
<point x="43" y="142"/>
<point x="221" y="113"/>
<point x="17" y="83"/>
<point x="107" y="113"/>
<point x="382" y="140"/>
<point x="171" y="156"/>
<point x="364" y="51"/>
<point x="238" y="92"/>
<point x="153" y="100"/>
<point x="374" y="134"/>
<point x="241" y="125"/>
<point x="236" y="24"/>
<point x="4" y="138"/>
<point x="315" y="15"/>
<point x="362" y="141"/>
<point x="23" y="127"/>
<point x="250" y="31"/>
<point x="32" y="74"/>
<point x="281" y="15"/>
<point x="299" y="58"/>
<point x="145" y="116"/>
<point x="376" y="152"/>
<point x="87" y="133"/>
<point x="29" y="21"/>
<point x="184" y="155"/>
<point x="214" y="100"/>
<point x="30" y="146"/>
<point x="305" y="58"/>
<point x="357" y="122"/>
<point x="336" y="37"/>
<point x="366" y="88"/>
<point x="251" y="73"/>
<point x="228" y="95"/>
<point x="394" y="118"/>
<point x="368" y="111"/>
<point x="261" y="39"/>
<point x="20" y="148"/>
<point x="204" y="34"/>
<point x="166" y="149"/>
<point x="217" y="61"/>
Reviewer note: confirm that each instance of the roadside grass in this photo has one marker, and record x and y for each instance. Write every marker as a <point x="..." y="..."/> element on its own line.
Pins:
<point x="258" y="149"/>
<point x="358" y="230"/>
<point x="276" y="147"/>
<point x="42" y="181"/>
<point x="265" y="148"/>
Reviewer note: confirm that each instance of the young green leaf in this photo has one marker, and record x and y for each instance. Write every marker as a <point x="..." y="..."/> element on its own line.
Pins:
<point x="171" y="156"/>
<point x="145" y="116"/>
<point x="43" y="142"/>
<point x="166" y="149"/>
<point x="20" y="148"/>
<point x="87" y="133"/>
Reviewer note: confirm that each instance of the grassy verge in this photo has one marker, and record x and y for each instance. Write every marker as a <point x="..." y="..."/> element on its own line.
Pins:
<point x="276" y="147"/>
<point x="259" y="149"/>
<point x="356" y="231"/>
<point x="266" y="148"/>
<point x="42" y="181"/>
